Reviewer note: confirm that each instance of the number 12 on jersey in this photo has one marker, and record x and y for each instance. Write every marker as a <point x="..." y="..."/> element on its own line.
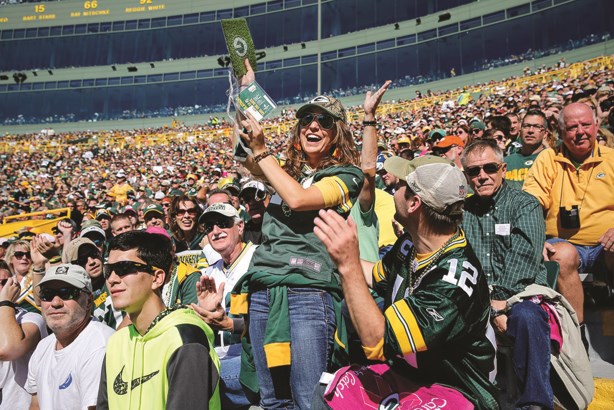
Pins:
<point x="468" y="273"/>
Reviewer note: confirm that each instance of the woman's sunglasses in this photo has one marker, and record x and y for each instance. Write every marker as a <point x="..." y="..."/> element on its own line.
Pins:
<point x="21" y="254"/>
<point x="48" y="294"/>
<point x="124" y="268"/>
<point x="326" y="121"/>
<point x="490" y="168"/>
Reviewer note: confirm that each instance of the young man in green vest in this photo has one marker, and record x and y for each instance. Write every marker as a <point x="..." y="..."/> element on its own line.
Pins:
<point x="165" y="358"/>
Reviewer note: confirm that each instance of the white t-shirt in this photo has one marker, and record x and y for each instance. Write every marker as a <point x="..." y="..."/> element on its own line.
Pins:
<point x="69" y="378"/>
<point x="230" y="276"/>
<point x="13" y="375"/>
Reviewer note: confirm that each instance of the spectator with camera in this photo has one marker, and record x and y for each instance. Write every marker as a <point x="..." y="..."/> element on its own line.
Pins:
<point x="575" y="185"/>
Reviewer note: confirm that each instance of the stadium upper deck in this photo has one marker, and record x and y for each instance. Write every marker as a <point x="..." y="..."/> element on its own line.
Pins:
<point x="413" y="50"/>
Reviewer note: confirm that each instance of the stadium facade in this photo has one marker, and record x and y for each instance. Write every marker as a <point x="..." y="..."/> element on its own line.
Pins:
<point x="83" y="60"/>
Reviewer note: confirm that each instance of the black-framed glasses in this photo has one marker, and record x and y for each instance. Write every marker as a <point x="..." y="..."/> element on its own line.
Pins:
<point x="124" y="268"/>
<point x="3" y="281"/>
<point x="536" y="126"/>
<point x="326" y="121"/>
<point x="490" y="168"/>
<point x="84" y="256"/>
<point x="21" y="254"/>
<point x="48" y="294"/>
<point x="222" y="223"/>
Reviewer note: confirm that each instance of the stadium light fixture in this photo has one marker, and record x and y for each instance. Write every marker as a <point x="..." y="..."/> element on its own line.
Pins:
<point x="132" y="69"/>
<point x="114" y="68"/>
<point x="444" y="17"/>
<point x="50" y="72"/>
<point x="303" y="45"/>
<point x="396" y="26"/>
<point x="285" y="48"/>
<point x="418" y="21"/>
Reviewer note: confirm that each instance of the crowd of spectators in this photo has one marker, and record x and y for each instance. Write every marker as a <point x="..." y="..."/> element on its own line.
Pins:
<point x="47" y="170"/>
<point x="164" y="181"/>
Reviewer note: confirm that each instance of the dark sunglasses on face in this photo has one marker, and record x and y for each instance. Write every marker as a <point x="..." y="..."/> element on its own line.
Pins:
<point x="21" y="254"/>
<point x="48" y="294"/>
<point x="475" y="130"/>
<point x="221" y="223"/>
<point x="124" y="268"/>
<point x="490" y="168"/>
<point x="326" y="121"/>
<point x="191" y="212"/>
<point x="84" y="258"/>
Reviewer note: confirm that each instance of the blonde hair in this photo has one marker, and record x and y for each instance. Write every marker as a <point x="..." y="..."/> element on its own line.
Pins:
<point x="10" y="252"/>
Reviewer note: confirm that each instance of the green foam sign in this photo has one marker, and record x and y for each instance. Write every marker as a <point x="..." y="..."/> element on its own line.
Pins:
<point x="240" y="45"/>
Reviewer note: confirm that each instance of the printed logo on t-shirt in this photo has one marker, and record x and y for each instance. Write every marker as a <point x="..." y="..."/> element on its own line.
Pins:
<point x="66" y="383"/>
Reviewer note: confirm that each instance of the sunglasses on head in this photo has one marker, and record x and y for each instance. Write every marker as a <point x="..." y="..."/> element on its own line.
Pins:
<point x="124" y="268"/>
<point x="326" y="121"/>
<point x="21" y="254"/>
<point x="222" y="223"/>
<point x="490" y="168"/>
<point x="48" y="294"/>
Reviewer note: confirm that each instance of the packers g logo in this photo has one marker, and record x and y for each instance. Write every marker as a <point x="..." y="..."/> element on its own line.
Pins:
<point x="240" y="46"/>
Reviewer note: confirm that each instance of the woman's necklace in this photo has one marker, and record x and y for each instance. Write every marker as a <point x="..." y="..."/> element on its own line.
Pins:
<point x="414" y="283"/>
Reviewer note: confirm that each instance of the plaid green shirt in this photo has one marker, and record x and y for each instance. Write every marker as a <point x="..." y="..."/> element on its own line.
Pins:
<point x="507" y="232"/>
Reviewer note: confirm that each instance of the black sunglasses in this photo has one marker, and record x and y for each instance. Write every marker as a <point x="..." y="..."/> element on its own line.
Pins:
<point x="124" y="268"/>
<point x="490" y="168"/>
<point x="89" y="253"/>
<point x="21" y="254"/>
<point x="48" y="294"/>
<point x="326" y="121"/>
<point x="222" y="223"/>
<point x="475" y="130"/>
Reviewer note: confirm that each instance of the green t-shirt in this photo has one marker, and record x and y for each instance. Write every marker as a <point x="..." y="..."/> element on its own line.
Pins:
<point x="518" y="166"/>
<point x="288" y="242"/>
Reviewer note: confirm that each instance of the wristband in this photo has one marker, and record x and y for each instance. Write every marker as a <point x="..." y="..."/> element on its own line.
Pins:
<point x="371" y="123"/>
<point x="40" y="271"/>
<point x="262" y="156"/>
<point x="8" y="303"/>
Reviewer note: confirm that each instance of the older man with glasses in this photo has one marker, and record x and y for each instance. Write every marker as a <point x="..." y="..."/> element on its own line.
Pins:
<point x="506" y="229"/>
<point x="64" y="370"/>
<point x="224" y="228"/>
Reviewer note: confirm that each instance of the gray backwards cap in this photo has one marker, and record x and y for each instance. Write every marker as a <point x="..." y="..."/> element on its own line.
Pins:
<point x="435" y="180"/>
<point x="330" y="105"/>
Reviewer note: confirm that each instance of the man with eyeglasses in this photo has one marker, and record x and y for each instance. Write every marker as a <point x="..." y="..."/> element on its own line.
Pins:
<point x="165" y="357"/>
<point x="224" y="228"/>
<point x="532" y="133"/>
<point x="476" y="129"/>
<point x="256" y="198"/>
<point x="450" y="147"/>
<point x="574" y="183"/>
<point x="83" y="252"/>
<point x="506" y="229"/>
<point x="64" y="370"/>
